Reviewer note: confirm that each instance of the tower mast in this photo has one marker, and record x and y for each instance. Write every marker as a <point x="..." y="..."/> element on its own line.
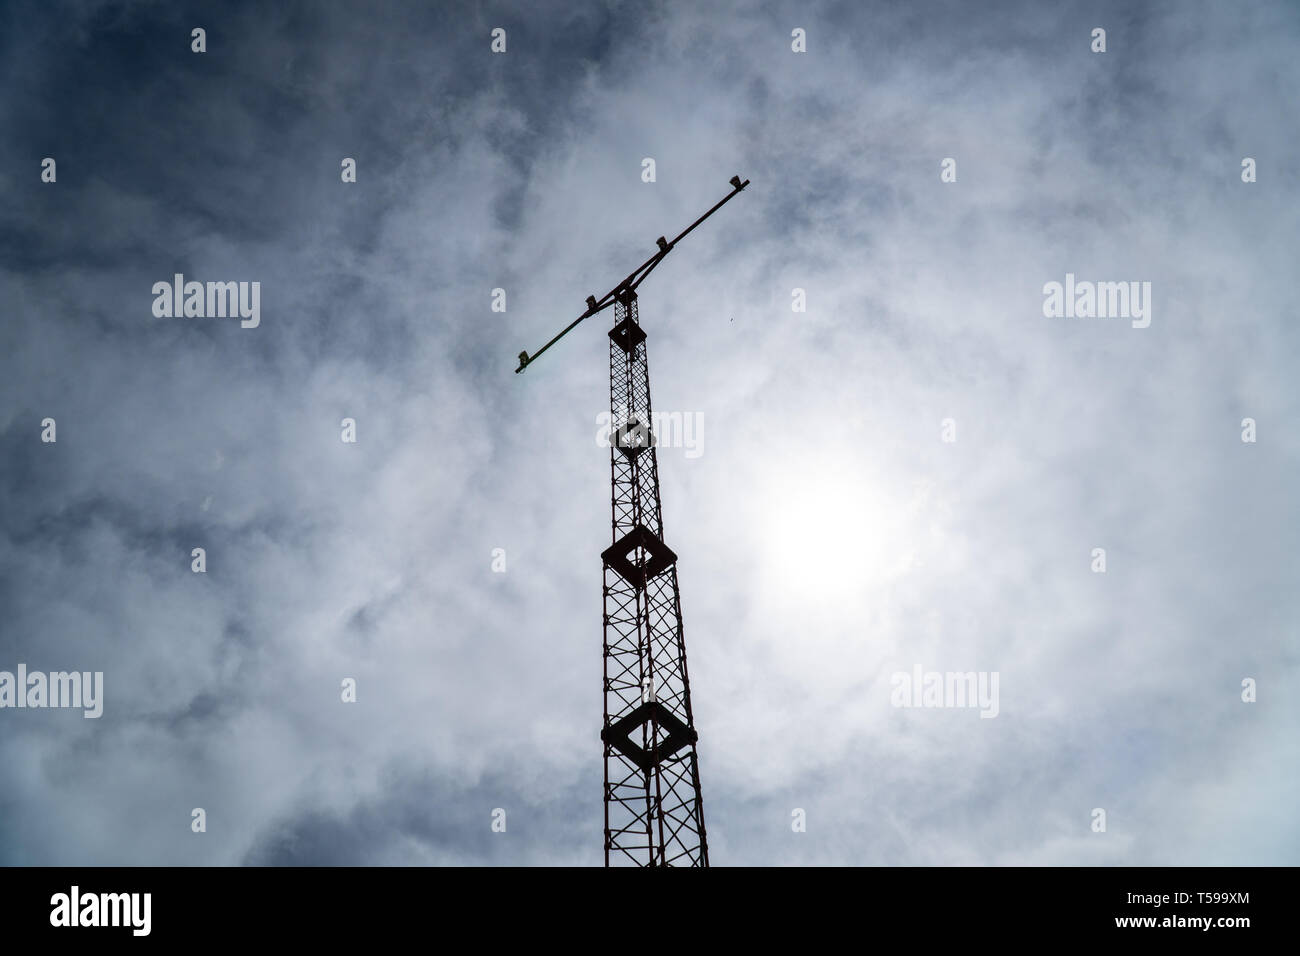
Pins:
<point x="654" y="812"/>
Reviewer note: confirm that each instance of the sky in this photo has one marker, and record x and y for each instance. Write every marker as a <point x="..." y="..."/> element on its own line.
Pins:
<point x="912" y="473"/>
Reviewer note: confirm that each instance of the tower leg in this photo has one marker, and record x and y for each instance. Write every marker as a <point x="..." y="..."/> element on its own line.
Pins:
<point x="654" y="814"/>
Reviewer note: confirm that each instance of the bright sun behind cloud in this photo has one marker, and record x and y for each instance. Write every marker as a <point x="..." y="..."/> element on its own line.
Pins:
<point x="835" y="530"/>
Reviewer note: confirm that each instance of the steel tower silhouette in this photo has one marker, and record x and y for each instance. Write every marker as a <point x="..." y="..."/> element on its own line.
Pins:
<point x="654" y="812"/>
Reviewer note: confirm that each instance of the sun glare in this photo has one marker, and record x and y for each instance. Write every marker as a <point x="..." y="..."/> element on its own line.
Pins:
<point x="835" y="531"/>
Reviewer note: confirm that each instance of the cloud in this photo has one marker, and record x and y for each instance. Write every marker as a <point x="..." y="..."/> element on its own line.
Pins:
<point x="828" y="537"/>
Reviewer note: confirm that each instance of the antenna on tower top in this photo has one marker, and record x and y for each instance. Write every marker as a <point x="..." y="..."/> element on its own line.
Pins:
<point x="634" y="279"/>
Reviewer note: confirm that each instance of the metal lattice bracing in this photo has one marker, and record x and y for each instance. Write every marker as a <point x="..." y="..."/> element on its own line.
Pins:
<point x="653" y="812"/>
<point x="654" y="815"/>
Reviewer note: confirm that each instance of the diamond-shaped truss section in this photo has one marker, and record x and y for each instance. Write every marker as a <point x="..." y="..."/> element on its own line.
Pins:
<point x="673" y="735"/>
<point x="658" y="557"/>
<point x="627" y="334"/>
<point x="634" y="437"/>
